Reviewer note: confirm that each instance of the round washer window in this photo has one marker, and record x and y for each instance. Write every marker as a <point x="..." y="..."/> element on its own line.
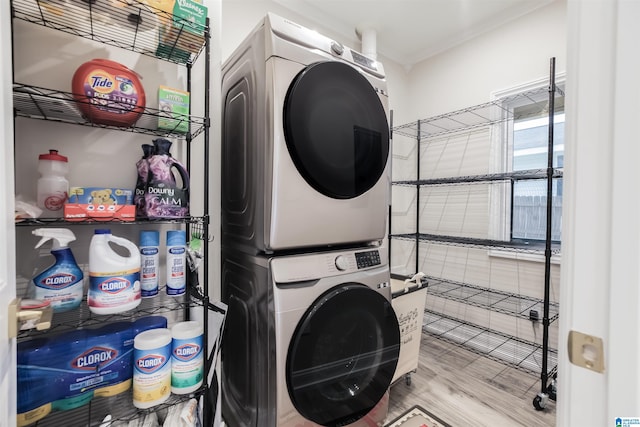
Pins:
<point x="343" y="355"/>
<point x="336" y="129"/>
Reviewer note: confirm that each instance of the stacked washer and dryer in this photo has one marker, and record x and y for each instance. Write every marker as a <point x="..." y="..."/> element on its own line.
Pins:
<point x="311" y="338"/>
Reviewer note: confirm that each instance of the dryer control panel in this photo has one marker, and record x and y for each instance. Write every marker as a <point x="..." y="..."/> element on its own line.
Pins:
<point x="311" y="39"/>
<point x="363" y="60"/>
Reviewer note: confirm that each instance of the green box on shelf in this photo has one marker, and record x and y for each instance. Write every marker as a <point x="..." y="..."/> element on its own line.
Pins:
<point x="174" y="109"/>
<point x="183" y="35"/>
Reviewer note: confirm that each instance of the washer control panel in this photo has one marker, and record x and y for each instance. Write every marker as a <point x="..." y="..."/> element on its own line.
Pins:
<point x="314" y="266"/>
<point x="367" y="259"/>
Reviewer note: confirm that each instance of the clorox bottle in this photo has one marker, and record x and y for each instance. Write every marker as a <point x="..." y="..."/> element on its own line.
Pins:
<point x="62" y="283"/>
<point x="114" y="280"/>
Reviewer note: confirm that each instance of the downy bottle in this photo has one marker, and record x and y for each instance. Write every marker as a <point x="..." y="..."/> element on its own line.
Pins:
<point x="142" y="166"/>
<point x="164" y="196"/>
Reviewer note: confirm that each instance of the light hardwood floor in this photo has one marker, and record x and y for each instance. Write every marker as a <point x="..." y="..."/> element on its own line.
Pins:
<point x="465" y="389"/>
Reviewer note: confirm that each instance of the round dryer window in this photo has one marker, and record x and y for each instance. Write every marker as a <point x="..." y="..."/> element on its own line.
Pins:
<point x="336" y="129"/>
<point x="343" y="355"/>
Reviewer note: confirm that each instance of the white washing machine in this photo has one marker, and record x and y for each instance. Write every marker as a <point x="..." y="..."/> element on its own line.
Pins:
<point x="310" y="340"/>
<point x="305" y="142"/>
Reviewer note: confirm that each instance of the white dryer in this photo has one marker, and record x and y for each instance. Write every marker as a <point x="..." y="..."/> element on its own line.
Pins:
<point x="305" y="142"/>
<point x="310" y="340"/>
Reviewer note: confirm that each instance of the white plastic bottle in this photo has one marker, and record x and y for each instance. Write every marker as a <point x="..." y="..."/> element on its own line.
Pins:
<point x="114" y="280"/>
<point x="176" y="262"/>
<point x="187" y="357"/>
<point x="149" y="260"/>
<point x="52" y="187"/>
<point x="151" y="368"/>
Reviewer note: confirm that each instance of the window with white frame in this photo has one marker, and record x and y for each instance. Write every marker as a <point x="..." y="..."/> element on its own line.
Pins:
<point x="525" y="147"/>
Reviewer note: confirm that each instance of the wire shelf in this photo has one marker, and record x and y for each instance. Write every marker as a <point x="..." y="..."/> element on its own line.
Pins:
<point x="82" y="317"/>
<point x="502" y="348"/>
<point x="470" y="118"/>
<point x="491" y="299"/>
<point x="535" y="247"/>
<point x="48" y="104"/>
<point x="120" y="408"/>
<point x="56" y="222"/>
<point x="127" y="24"/>
<point x="492" y="177"/>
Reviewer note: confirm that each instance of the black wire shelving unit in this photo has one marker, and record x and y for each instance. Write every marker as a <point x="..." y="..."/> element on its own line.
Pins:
<point x="528" y="356"/>
<point x="130" y="25"/>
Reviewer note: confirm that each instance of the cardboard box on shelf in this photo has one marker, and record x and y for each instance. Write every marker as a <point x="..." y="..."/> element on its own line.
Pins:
<point x="174" y="109"/>
<point x="181" y="28"/>
<point x="99" y="204"/>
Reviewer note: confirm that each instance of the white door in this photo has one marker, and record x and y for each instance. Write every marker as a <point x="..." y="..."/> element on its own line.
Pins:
<point x="7" y="233"/>
<point x="600" y="286"/>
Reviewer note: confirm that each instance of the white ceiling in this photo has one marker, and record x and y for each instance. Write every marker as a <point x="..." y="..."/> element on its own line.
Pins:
<point x="410" y="31"/>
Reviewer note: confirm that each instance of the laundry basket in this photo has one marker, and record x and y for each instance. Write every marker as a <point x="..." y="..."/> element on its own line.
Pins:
<point x="408" y="300"/>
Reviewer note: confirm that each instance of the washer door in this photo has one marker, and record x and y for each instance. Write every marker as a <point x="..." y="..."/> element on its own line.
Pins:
<point x="336" y="129"/>
<point x="343" y="355"/>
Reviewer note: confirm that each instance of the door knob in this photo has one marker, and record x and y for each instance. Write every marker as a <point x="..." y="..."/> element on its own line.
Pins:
<point x="25" y="314"/>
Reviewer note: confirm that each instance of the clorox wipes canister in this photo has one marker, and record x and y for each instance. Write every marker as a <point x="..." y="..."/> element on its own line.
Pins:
<point x="108" y="93"/>
<point x="151" y="368"/>
<point x="114" y="280"/>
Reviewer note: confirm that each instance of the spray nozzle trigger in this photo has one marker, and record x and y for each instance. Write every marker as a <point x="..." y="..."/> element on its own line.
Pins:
<point x="42" y="241"/>
<point x="60" y="236"/>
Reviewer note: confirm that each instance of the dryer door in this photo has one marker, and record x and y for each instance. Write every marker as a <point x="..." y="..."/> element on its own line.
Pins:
<point x="336" y="129"/>
<point x="343" y="355"/>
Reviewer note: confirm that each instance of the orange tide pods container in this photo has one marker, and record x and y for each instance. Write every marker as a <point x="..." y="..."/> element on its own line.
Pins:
<point x="108" y="93"/>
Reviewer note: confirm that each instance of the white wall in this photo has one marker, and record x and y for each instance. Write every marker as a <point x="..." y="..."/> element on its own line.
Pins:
<point x="511" y="55"/>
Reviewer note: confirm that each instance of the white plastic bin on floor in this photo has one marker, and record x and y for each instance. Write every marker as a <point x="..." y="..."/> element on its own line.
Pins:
<point x="408" y="300"/>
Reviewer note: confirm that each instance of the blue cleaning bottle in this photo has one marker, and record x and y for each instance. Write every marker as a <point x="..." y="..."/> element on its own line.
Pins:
<point x="62" y="283"/>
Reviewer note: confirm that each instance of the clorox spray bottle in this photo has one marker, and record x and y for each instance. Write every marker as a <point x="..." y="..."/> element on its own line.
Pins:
<point x="62" y="283"/>
<point x="114" y="280"/>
